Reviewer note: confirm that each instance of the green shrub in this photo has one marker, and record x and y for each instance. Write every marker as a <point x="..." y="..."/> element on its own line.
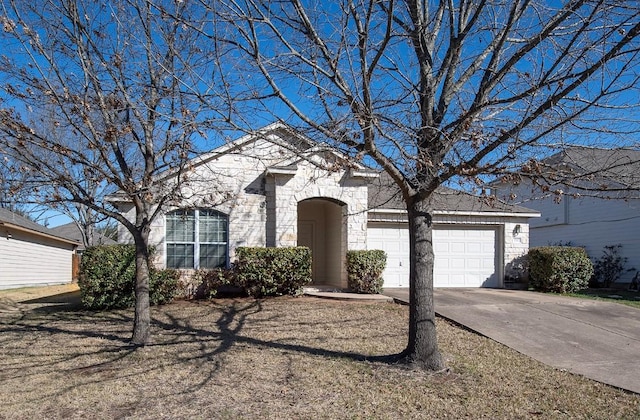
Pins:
<point x="163" y="285"/>
<point x="207" y="283"/>
<point x="107" y="279"/>
<point x="273" y="271"/>
<point x="364" y="270"/>
<point x="559" y="269"/>
<point x="609" y="267"/>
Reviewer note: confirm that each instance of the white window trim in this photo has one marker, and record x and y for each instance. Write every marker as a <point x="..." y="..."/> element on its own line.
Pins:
<point x="196" y="238"/>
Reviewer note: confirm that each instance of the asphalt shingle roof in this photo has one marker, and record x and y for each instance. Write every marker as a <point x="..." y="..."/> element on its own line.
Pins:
<point x="9" y="217"/>
<point x="71" y="230"/>
<point x="618" y="165"/>
<point x="385" y="194"/>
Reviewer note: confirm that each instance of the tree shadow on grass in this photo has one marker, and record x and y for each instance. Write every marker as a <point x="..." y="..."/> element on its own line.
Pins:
<point x="228" y="331"/>
<point x="229" y="328"/>
<point x="69" y="301"/>
<point x="196" y="335"/>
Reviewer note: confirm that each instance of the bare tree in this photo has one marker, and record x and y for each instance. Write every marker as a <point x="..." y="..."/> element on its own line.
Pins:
<point x="12" y="182"/>
<point x="100" y="101"/>
<point x="16" y="184"/>
<point x="440" y="92"/>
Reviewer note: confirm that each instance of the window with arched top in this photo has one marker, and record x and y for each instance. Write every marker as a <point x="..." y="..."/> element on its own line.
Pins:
<point x="196" y="238"/>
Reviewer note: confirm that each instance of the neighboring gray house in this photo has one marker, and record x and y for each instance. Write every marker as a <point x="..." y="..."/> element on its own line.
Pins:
<point x="73" y="231"/>
<point x="590" y="219"/>
<point x="278" y="188"/>
<point x="31" y="254"/>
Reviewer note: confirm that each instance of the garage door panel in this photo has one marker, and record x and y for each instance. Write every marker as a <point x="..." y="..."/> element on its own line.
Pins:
<point x="456" y="247"/>
<point x="464" y="256"/>
<point x="395" y="242"/>
<point x="442" y="265"/>
<point x="474" y="264"/>
<point x="441" y="247"/>
<point x="473" y="248"/>
<point x="454" y="280"/>
<point x="393" y="247"/>
<point x="458" y="234"/>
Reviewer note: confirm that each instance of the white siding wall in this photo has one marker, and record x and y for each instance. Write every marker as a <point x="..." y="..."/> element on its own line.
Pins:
<point x="31" y="260"/>
<point x="594" y="223"/>
<point x="587" y="221"/>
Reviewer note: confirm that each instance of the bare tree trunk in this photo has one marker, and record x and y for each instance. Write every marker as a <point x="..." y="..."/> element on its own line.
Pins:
<point x="422" y="348"/>
<point x="142" y="319"/>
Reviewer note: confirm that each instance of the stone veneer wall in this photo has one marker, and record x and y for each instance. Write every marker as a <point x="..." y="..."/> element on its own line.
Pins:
<point x="262" y="209"/>
<point x="284" y="192"/>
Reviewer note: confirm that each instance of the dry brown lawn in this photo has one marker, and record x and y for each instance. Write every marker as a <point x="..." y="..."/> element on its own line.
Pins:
<point x="279" y="358"/>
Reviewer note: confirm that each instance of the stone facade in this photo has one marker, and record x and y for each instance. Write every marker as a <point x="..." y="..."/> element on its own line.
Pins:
<point x="258" y="184"/>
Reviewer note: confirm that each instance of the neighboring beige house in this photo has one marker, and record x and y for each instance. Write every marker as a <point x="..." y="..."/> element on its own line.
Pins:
<point x="279" y="188"/>
<point x="31" y="254"/>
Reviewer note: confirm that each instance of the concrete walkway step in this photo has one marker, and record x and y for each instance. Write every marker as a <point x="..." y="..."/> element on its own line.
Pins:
<point x="331" y="292"/>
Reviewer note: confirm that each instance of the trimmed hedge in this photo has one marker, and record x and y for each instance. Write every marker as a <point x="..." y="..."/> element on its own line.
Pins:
<point x="107" y="278"/>
<point x="163" y="285"/>
<point x="364" y="270"/>
<point x="273" y="271"/>
<point x="560" y="269"/>
<point x="209" y="282"/>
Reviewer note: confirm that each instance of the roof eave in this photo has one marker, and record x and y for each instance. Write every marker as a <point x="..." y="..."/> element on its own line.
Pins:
<point x="463" y="213"/>
<point x="275" y="170"/>
<point x="42" y="234"/>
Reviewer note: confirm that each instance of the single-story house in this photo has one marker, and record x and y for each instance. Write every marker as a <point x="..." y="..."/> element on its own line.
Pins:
<point x="31" y="254"/>
<point x="279" y="188"/>
<point x="579" y="214"/>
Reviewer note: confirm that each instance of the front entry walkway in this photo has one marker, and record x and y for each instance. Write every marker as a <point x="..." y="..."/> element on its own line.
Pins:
<point x="330" y="292"/>
<point x="599" y="340"/>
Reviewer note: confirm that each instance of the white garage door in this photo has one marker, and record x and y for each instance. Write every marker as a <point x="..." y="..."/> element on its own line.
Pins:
<point x="464" y="256"/>
<point x="394" y="240"/>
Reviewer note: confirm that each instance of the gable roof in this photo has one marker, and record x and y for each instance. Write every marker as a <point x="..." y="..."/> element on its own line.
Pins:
<point x="384" y="194"/>
<point x="619" y="165"/>
<point x="302" y="148"/>
<point x="72" y="230"/>
<point x="276" y="133"/>
<point x="15" y="221"/>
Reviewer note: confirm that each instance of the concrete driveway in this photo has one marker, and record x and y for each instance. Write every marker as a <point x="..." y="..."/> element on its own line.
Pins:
<point x="599" y="340"/>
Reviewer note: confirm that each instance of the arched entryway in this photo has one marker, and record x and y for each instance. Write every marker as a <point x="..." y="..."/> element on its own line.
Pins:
<point x="321" y="228"/>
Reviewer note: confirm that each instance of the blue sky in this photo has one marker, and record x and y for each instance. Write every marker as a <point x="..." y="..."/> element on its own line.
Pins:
<point x="615" y="124"/>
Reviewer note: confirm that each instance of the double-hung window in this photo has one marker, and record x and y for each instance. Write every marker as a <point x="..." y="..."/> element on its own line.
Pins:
<point x="196" y="239"/>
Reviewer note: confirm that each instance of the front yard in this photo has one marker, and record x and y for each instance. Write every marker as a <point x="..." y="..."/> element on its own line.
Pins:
<point x="625" y="297"/>
<point x="275" y="358"/>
